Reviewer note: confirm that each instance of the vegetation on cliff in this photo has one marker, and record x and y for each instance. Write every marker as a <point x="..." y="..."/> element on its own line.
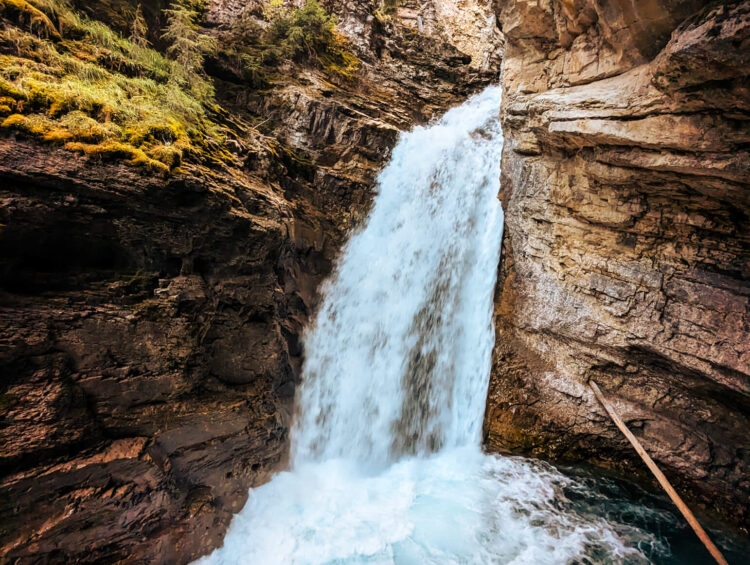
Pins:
<point x="71" y="80"/>
<point x="386" y="10"/>
<point x="67" y="79"/>
<point x="284" y="38"/>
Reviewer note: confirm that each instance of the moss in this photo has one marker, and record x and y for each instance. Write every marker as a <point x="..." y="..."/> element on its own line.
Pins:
<point x="7" y="90"/>
<point x="25" y="14"/>
<point x="155" y="131"/>
<point x="110" y="149"/>
<point x="34" y="125"/>
<point x="168" y="154"/>
<point x="105" y="149"/>
<point x="95" y="92"/>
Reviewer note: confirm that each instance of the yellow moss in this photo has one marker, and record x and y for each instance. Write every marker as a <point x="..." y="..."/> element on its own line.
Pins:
<point x="170" y="155"/>
<point x="28" y="15"/>
<point x="85" y="128"/>
<point x="6" y="88"/>
<point x="106" y="149"/>
<point x="34" y="125"/>
<point x="58" y="136"/>
<point x="152" y="164"/>
<point x="73" y="126"/>
<point x="154" y="131"/>
<point x="117" y="150"/>
<point x="76" y="92"/>
<point x="57" y="107"/>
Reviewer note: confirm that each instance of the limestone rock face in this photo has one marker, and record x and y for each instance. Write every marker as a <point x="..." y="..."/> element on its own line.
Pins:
<point x="626" y="257"/>
<point x="150" y="327"/>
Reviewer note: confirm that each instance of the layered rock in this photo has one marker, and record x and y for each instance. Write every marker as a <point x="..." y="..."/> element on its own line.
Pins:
<point x="151" y="326"/>
<point x="145" y="366"/>
<point x="626" y="256"/>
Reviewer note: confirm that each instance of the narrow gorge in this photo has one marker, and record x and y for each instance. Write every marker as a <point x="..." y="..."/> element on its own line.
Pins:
<point x="326" y="282"/>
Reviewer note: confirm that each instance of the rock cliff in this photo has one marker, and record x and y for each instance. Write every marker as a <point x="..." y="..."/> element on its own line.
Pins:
<point x="626" y="254"/>
<point x="151" y="325"/>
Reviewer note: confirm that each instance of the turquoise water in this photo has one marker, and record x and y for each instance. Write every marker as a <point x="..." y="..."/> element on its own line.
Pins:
<point x="629" y="506"/>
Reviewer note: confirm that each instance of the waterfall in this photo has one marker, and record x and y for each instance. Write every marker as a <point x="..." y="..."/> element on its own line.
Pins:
<point x="398" y="358"/>
<point x="386" y="458"/>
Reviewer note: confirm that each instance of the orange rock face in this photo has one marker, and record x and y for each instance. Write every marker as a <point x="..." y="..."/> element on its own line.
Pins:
<point x="626" y="188"/>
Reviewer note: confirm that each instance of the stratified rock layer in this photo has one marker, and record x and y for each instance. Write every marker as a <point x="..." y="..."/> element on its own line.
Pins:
<point x="626" y="259"/>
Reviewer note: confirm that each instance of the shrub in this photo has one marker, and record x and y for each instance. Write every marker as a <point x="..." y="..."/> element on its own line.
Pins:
<point x="188" y="48"/>
<point x="386" y="11"/>
<point x="301" y="34"/>
<point x="304" y="35"/>
<point x="139" y="29"/>
<point x="28" y="16"/>
<point x="309" y="34"/>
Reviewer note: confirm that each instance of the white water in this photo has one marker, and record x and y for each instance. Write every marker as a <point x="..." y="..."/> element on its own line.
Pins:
<point x="386" y="459"/>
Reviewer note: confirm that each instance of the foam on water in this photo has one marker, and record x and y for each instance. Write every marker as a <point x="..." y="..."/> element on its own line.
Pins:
<point x="386" y="458"/>
<point x="455" y="507"/>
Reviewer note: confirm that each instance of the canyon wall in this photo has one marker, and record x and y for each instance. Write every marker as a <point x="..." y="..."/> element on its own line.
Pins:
<point x="626" y="255"/>
<point x="151" y="326"/>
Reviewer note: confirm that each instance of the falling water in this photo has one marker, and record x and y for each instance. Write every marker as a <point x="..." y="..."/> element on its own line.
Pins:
<point x="386" y="459"/>
<point x="398" y="359"/>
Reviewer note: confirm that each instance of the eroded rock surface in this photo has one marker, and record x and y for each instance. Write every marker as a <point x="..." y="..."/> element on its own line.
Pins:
<point x="151" y="327"/>
<point x="626" y="190"/>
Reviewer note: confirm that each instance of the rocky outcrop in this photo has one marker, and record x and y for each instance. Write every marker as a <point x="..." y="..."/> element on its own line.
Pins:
<point x="626" y="256"/>
<point x="151" y="326"/>
<point x="145" y="366"/>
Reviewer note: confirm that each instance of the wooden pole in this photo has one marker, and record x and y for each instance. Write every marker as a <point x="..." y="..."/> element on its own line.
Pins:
<point x="660" y="477"/>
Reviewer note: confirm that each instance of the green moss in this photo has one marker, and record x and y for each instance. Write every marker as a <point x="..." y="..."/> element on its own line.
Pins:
<point x="96" y="92"/>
